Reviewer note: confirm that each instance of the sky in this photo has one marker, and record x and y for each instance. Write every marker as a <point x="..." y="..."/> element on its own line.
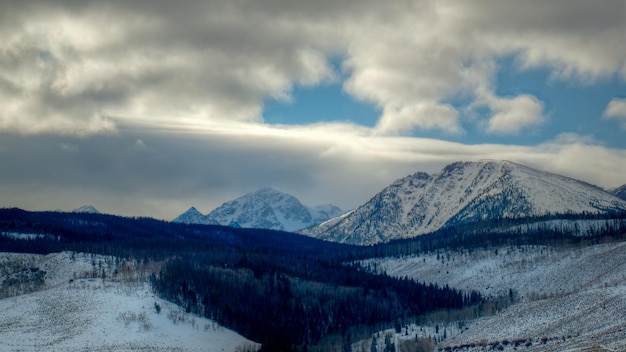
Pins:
<point x="147" y="108"/>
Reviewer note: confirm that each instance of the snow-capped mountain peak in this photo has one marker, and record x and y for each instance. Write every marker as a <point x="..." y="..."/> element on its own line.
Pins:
<point x="462" y="193"/>
<point x="265" y="208"/>
<point x="86" y="209"/>
<point x="193" y="216"/>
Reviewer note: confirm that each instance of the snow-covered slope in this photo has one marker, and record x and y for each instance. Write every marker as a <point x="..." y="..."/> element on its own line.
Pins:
<point x="566" y="298"/>
<point x="264" y="209"/>
<point x="530" y="271"/>
<point x="75" y="309"/>
<point x="461" y="193"/>
<point x="619" y="192"/>
<point x="193" y="216"/>
<point x="86" y="209"/>
<point x="321" y="213"/>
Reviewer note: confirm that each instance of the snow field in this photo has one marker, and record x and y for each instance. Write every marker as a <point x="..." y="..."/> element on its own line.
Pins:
<point x="530" y="271"/>
<point x="566" y="298"/>
<point x="78" y="313"/>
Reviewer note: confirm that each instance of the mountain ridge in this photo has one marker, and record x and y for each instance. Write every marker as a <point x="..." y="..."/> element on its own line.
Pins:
<point x="265" y="208"/>
<point x="463" y="193"/>
<point x="619" y="192"/>
<point x="193" y="216"/>
<point x="90" y="209"/>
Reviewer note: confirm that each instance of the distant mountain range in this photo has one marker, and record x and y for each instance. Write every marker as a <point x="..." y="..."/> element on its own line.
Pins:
<point x="86" y="209"/>
<point x="263" y="209"/>
<point x="194" y="216"/>
<point x="464" y="193"/>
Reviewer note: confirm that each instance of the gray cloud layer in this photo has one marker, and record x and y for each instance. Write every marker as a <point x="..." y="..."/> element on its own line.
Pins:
<point x="161" y="173"/>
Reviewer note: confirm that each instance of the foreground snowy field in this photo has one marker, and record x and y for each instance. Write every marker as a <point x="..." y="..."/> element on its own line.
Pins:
<point x="75" y="311"/>
<point x="565" y="299"/>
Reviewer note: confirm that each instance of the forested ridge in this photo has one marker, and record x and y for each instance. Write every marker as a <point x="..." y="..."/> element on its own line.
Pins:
<point x="287" y="291"/>
<point x="507" y="232"/>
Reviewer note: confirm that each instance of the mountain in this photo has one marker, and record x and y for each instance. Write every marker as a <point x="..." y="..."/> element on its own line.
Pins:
<point x="86" y="209"/>
<point x="264" y="209"/>
<point x="619" y="192"/>
<point x="271" y="209"/>
<point x="193" y="216"/>
<point x="321" y="213"/>
<point x="463" y="193"/>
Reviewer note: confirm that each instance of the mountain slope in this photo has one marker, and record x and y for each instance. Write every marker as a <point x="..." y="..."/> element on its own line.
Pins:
<point x="74" y="307"/>
<point x="619" y="192"/>
<point x="193" y="216"/>
<point x="463" y="193"/>
<point x="263" y="209"/>
<point x="565" y="298"/>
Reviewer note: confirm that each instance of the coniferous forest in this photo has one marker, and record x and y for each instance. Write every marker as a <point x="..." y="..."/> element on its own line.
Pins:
<point x="286" y="291"/>
<point x="283" y="290"/>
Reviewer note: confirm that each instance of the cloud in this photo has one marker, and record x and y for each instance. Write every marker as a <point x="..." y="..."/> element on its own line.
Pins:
<point x="616" y="109"/>
<point x="425" y="116"/>
<point x="205" y="165"/>
<point x="68" y="147"/>
<point x="511" y="115"/>
<point x="76" y="68"/>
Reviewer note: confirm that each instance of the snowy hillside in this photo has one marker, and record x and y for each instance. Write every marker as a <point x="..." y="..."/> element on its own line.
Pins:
<point x="63" y="302"/>
<point x="565" y="298"/>
<point x="86" y="209"/>
<point x="264" y="209"/>
<point x="531" y="271"/>
<point x="193" y="216"/>
<point x="462" y="193"/>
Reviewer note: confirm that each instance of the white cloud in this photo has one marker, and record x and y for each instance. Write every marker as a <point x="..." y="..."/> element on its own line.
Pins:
<point x="426" y="116"/>
<point x="66" y="67"/>
<point x="513" y="114"/>
<point x="616" y="109"/>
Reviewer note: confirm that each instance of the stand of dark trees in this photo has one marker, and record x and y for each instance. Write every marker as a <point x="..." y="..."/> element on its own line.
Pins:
<point x="287" y="307"/>
<point x="492" y="233"/>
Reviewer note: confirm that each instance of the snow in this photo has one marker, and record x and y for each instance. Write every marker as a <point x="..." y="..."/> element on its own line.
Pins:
<point x="193" y="216"/>
<point x="464" y="192"/>
<point x="531" y="271"/>
<point x="23" y="236"/>
<point x="569" y="321"/>
<point x="619" y="192"/>
<point x="264" y="209"/>
<point x="76" y="312"/>
<point x="566" y="298"/>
